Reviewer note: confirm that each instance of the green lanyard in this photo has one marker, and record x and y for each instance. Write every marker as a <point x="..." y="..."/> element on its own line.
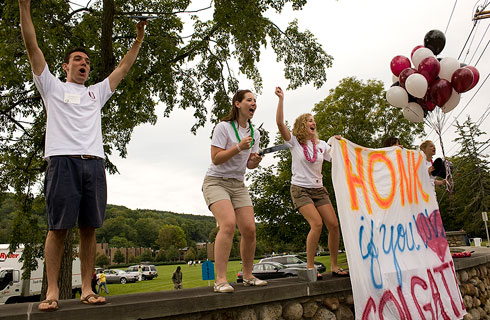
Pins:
<point x="238" y="137"/>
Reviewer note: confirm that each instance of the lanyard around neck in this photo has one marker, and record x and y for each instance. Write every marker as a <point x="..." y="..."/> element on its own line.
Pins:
<point x="238" y="137"/>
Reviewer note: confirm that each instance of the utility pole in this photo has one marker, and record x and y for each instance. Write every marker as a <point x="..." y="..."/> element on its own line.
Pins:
<point x="480" y="14"/>
<point x="485" y="219"/>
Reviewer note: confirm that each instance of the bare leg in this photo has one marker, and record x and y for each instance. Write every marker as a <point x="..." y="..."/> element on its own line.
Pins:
<point x="246" y="225"/>
<point x="328" y="214"/>
<point x="225" y="216"/>
<point x="311" y="214"/>
<point x="87" y="260"/>
<point x="53" y="251"/>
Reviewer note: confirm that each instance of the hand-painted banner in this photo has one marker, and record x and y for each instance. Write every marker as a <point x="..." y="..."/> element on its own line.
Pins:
<point x="399" y="260"/>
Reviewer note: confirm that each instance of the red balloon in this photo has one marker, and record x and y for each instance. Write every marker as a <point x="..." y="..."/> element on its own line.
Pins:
<point x="429" y="105"/>
<point x="399" y="63"/>
<point x="404" y="75"/>
<point x="476" y="76"/>
<point x="462" y="79"/>
<point x="429" y="68"/>
<point x="415" y="49"/>
<point x="440" y="91"/>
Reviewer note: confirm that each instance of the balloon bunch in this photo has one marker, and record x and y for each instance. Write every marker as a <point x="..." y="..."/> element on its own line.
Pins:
<point x="431" y="81"/>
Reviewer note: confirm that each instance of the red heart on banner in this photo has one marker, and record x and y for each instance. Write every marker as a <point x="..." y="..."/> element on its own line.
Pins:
<point x="432" y="233"/>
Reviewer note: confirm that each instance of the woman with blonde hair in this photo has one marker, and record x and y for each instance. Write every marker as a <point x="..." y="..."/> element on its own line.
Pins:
<point x="309" y="195"/>
<point x="429" y="149"/>
<point x="234" y="148"/>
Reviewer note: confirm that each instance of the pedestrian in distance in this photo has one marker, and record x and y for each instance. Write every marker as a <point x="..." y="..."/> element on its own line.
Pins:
<point x="177" y="279"/>
<point x="234" y="148"/>
<point x="308" y="194"/>
<point x="75" y="183"/>
<point x="102" y="281"/>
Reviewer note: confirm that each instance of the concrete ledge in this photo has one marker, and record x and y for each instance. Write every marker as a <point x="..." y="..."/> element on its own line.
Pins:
<point x="154" y="305"/>
<point x="480" y="255"/>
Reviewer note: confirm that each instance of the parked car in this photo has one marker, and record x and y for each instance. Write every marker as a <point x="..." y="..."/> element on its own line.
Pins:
<point x="292" y="260"/>
<point x="149" y="271"/>
<point x="272" y="270"/>
<point x="119" y="276"/>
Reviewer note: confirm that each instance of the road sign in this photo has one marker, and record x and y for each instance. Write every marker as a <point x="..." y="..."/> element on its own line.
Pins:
<point x="484" y="216"/>
<point x="207" y="270"/>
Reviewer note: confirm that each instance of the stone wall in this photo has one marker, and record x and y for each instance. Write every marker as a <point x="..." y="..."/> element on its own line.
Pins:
<point x="283" y="299"/>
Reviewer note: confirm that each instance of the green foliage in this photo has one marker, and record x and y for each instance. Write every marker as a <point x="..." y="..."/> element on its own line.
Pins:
<point x="120" y="242"/>
<point x="134" y="259"/>
<point x="147" y="256"/>
<point x="172" y="254"/>
<point x="171" y="236"/>
<point x="102" y="260"/>
<point x="471" y="175"/>
<point x="356" y="110"/>
<point x="118" y="257"/>
<point x="190" y="254"/>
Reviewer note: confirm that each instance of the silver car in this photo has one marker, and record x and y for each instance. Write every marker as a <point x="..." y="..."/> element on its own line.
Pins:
<point x="119" y="276"/>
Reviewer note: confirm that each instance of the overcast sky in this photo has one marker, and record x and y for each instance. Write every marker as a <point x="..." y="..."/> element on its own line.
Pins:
<point x="166" y="164"/>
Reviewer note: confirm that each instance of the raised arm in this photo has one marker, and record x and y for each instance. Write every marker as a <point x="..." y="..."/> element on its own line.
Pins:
<point x="127" y="62"/>
<point x="36" y="56"/>
<point x="285" y="134"/>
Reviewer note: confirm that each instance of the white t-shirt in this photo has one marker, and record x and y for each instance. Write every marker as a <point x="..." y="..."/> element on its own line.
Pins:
<point x="224" y="137"/>
<point x="428" y="164"/>
<point x="305" y="173"/>
<point x="73" y="115"/>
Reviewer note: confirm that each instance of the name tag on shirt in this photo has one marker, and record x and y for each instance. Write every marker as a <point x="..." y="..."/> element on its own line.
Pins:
<point x="72" y="98"/>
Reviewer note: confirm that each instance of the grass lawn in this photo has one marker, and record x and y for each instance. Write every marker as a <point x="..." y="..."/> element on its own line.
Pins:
<point x="192" y="276"/>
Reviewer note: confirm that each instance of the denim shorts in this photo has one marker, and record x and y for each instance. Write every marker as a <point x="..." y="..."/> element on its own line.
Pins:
<point x="303" y="196"/>
<point x="75" y="189"/>
<point x="217" y="188"/>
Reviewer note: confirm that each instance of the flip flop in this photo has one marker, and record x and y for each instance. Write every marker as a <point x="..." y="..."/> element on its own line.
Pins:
<point x="49" y="302"/>
<point x="86" y="300"/>
<point x="340" y="273"/>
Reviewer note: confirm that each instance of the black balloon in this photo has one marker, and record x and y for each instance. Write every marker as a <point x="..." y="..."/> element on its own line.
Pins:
<point x="395" y="84"/>
<point x="435" y="40"/>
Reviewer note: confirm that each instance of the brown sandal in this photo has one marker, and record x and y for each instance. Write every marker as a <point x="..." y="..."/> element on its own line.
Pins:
<point x="86" y="300"/>
<point x="49" y="302"/>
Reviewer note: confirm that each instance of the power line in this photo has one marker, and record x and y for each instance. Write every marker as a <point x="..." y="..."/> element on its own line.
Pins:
<point x="454" y="7"/>
<point x="482" y="53"/>
<point x="474" y="25"/>
<point x="479" y="44"/>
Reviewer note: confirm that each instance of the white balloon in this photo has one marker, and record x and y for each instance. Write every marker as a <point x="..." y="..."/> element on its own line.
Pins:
<point x="416" y="85"/>
<point x="413" y="112"/>
<point x="397" y="96"/>
<point x="420" y="54"/>
<point x="394" y="78"/>
<point x="452" y="102"/>
<point x="448" y="66"/>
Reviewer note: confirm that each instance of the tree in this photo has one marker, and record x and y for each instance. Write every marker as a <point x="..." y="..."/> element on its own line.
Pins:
<point x="190" y="254"/>
<point x="471" y="175"/>
<point x="120" y="242"/>
<point x="355" y="109"/>
<point x="171" y="236"/>
<point x="102" y="260"/>
<point x="147" y="232"/>
<point x="177" y="70"/>
<point x="147" y="256"/>
<point x="172" y="254"/>
<point x="119" y="257"/>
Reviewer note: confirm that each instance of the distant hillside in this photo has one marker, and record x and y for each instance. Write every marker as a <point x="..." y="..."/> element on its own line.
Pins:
<point x="137" y="227"/>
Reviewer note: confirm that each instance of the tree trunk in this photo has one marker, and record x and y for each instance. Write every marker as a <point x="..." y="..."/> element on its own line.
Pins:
<point x="107" y="56"/>
<point x="65" y="277"/>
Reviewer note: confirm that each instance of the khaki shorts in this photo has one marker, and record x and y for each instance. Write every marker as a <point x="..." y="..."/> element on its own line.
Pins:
<point x="303" y="196"/>
<point x="216" y="189"/>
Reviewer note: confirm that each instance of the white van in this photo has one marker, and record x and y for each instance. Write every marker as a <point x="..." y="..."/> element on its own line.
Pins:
<point x="13" y="289"/>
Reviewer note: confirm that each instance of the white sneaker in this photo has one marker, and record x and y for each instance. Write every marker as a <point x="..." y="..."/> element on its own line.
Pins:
<point x="223" y="287"/>
<point x="256" y="282"/>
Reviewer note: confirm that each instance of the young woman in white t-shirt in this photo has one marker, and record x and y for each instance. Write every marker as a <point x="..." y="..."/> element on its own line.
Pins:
<point x="307" y="191"/>
<point x="234" y="148"/>
<point x="429" y="149"/>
